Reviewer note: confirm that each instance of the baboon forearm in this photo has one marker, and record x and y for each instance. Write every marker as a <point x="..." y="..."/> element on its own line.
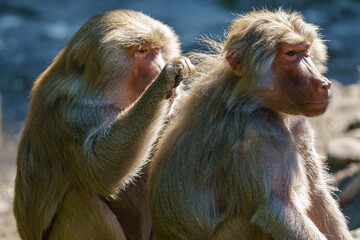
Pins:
<point x="123" y="145"/>
<point x="285" y="222"/>
<point x="328" y="218"/>
<point x="126" y="134"/>
<point x="132" y="125"/>
<point x="325" y="212"/>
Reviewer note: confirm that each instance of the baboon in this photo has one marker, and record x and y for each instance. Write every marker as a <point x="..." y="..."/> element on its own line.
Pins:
<point x="238" y="160"/>
<point x="94" y="114"/>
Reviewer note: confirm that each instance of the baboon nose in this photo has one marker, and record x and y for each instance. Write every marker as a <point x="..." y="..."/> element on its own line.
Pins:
<point x="322" y="84"/>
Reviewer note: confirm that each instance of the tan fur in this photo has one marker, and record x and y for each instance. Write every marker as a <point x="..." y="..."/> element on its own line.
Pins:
<point x="85" y="137"/>
<point x="232" y="166"/>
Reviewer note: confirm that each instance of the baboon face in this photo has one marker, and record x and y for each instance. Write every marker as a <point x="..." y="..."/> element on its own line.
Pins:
<point x="147" y="64"/>
<point x="300" y="85"/>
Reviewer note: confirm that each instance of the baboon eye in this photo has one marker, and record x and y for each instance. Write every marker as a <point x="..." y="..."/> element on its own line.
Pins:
<point x="291" y="53"/>
<point x="156" y="50"/>
<point x="142" y="50"/>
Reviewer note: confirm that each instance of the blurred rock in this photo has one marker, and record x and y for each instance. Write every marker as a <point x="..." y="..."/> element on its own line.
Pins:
<point x="344" y="106"/>
<point x="356" y="123"/>
<point x="346" y="173"/>
<point x="356" y="234"/>
<point x="4" y="206"/>
<point x="342" y="151"/>
<point x="351" y="190"/>
<point x="355" y="133"/>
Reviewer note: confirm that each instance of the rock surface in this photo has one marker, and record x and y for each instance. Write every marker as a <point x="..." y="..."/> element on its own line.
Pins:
<point x="342" y="151"/>
<point x="356" y="234"/>
<point x="355" y="133"/>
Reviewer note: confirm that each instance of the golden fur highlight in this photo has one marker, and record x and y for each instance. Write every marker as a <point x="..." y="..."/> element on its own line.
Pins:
<point x="256" y="36"/>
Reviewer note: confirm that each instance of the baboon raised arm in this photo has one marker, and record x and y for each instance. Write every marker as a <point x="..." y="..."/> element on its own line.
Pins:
<point x="238" y="160"/>
<point x="94" y="114"/>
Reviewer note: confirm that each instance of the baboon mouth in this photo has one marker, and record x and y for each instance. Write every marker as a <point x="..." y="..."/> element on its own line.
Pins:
<point x="317" y="103"/>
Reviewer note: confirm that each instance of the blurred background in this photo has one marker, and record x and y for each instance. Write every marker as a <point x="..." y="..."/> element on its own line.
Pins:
<point x="32" y="32"/>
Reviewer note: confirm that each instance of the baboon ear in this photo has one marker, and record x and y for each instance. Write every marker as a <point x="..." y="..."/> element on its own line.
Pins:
<point x="81" y="54"/>
<point x="234" y="63"/>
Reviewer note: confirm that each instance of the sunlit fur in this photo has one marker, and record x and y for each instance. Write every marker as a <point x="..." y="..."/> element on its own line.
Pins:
<point x="81" y="140"/>
<point x="230" y="168"/>
<point x="95" y="51"/>
<point x="262" y="32"/>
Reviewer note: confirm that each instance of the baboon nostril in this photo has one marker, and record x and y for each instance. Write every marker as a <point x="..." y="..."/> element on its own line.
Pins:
<point x="329" y="84"/>
<point x="322" y="84"/>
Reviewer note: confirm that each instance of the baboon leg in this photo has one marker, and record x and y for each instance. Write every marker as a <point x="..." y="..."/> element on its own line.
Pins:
<point x="85" y="217"/>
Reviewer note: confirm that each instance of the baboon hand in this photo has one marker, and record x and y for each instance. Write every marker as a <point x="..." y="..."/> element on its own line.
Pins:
<point x="181" y="67"/>
<point x="176" y="70"/>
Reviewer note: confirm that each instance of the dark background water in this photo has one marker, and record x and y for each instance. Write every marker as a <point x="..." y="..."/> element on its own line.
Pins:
<point x="32" y="32"/>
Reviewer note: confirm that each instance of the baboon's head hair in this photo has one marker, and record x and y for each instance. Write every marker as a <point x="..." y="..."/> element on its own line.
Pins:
<point x="258" y="34"/>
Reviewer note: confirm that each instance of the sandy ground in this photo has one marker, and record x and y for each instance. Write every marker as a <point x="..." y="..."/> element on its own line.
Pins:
<point x="7" y="177"/>
<point x="342" y="111"/>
